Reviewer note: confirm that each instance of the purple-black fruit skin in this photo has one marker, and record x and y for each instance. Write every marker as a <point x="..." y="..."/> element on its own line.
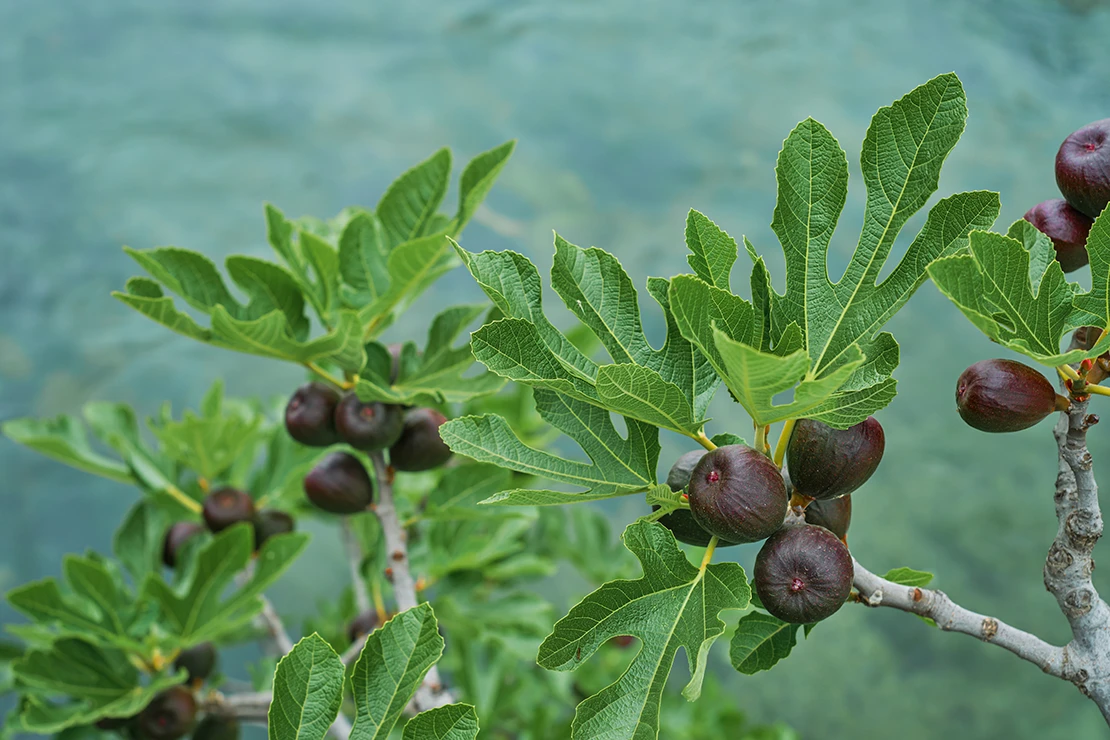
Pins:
<point x="270" y="522"/>
<point x="834" y="514"/>
<point x="310" y="415"/>
<point x="803" y="574"/>
<point x="170" y="715"/>
<point x="1003" y="396"/>
<point x="420" y="447"/>
<point x="1066" y="227"/>
<point x="825" y="463"/>
<point x="681" y="521"/>
<point x="339" y="484"/>
<point x="737" y="494"/>
<point x="225" y="507"/>
<point x="368" y="426"/>
<point x="1083" y="168"/>
<point x="199" y="661"/>
<point x="176" y="536"/>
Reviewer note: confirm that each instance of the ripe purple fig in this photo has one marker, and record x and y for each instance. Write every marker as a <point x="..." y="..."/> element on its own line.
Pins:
<point x="1005" y="396"/>
<point x="803" y="574"/>
<point x="225" y="507"/>
<point x="681" y="522"/>
<point x="169" y="715"/>
<point x="737" y="494"/>
<point x="368" y="426"/>
<point x="420" y="447"/>
<point x="363" y="624"/>
<point x="310" y="415"/>
<point x="834" y="514"/>
<point x="339" y="484"/>
<point x="1066" y="227"/>
<point x="825" y="463"/>
<point x="199" y="661"/>
<point x="1083" y="168"/>
<point x="176" y="536"/>
<point x="269" y="522"/>
<point x="217" y="727"/>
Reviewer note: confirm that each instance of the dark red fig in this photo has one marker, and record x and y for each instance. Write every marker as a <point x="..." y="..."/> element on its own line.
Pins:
<point x="681" y="522"/>
<point x="1005" y="396"/>
<point x="199" y="661"/>
<point x="803" y="574"/>
<point x="825" y="463"/>
<point x="217" y="727"/>
<point x="679" y="475"/>
<point x="834" y="514"/>
<point x="269" y="522"/>
<point x="420" y="447"/>
<point x="1066" y="227"/>
<point x="176" y="536"/>
<point x="339" y="484"/>
<point x="310" y="415"/>
<point x="368" y="426"/>
<point x="225" y="507"/>
<point x="737" y="494"/>
<point x="363" y="624"/>
<point x="1083" y="168"/>
<point x="108" y="724"/>
<point x="169" y="715"/>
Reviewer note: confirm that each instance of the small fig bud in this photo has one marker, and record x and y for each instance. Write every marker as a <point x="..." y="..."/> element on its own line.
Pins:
<point x="225" y="507"/>
<point x="1003" y="396"/>
<point x="825" y="463"/>
<point x="737" y="494"/>
<point x="217" y="727"/>
<point x="199" y="661"/>
<point x="170" y="715"/>
<point x="803" y="574"/>
<point x="176" y="536"/>
<point x="269" y="522"/>
<point x="363" y="624"/>
<point x="1066" y="227"/>
<point x="339" y="484"/>
<point x="420" y="447"/>
<point x="368" y="426"/>
<point x="1083" y="168"/>
<point x="310" y="415"/>
<point x="834" y="514"/>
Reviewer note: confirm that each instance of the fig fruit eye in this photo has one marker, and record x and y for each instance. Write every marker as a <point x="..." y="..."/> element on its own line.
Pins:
<point x="368" y="426"/>
<point x="737" y="494"/>
<point x="1004" y="396"/>
<point x="803" y="574"/>
<point x="170" y="715"/>
<point x="310" y="415"/>
<point x="176" y="536"/>
<point x="339" y="484"/>
<point x="420" y="447"/>
<point x="269" y="522"/>
<point x="833" y="514"/>
<point x="681" y="522"/>
<point x="1066" y="227"/>
<point x="199" y="661"/>
<point x="1083" y="168"/>
<point x="825" y="463"/>
<point x="225" y="507"/>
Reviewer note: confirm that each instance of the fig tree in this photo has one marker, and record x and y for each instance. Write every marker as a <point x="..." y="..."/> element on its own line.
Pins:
<point x="310" y="415"/>
<point x="199" y="661"/>
<point x="1005" y="396"/>
<point x="834" y="514"/>
<point x="1083" y="168"/>
<point x="420" y="447"/>
<point x="825" y="463"/>
<point x="170" y="715"/>
<point x="217" y="727"/>
<point x="269" y="522"/>
<point x="1066" y="227"/>
<point x="737" y="494"/>
<point x="368" y="426"/>
<point x="225" y="507"/>
<point x="681" y="522"/>
<point x="803" y="574"/>
<point x="176" y="536"/>
<point x="339" y="484"/>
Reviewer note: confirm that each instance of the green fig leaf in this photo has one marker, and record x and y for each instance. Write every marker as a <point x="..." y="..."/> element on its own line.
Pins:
<point x="761" y="641"/>
<point x="308" y="690"/>
<point x="412" y="200"/>
<point x="909" y="577"/>
<point x="63" y="439"/>
<point x="1093" y="307"/>
<point x="452" y="722"/>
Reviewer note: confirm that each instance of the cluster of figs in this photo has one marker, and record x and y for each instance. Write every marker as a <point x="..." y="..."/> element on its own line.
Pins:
<point x="1083" y="176"/>
<point x="803" y="572"/>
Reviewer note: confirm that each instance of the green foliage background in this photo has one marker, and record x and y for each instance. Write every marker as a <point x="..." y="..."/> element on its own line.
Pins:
<point x="107" y="141"/>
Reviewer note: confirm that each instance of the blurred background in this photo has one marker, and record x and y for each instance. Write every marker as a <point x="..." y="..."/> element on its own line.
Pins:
<point x="145" y="124"/>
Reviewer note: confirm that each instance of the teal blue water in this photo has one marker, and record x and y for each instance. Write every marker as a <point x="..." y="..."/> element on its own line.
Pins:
<point x="147" y="124"/>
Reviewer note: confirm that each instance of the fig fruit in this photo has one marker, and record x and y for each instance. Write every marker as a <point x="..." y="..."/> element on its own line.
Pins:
<point x="363" y="624"/>
<point x="217" y="727"/>
<point x="339" y="484"/>
<point x="679" y="475"/>
<point x="737" y="494"/>
<point x="368" y="426"/>
<point x="199" y="661"/>
<point x="176" y="536"/>
<point x="1005" y="396"/>
<point x="170" y="715"/>
<point x="825" y="463"/>
<point x="681" y="522"/>
<point x="225" y="507"/>
<point x="109" y="724"/>
<point x="1083" y="168"/>
<point x="310" y="415"/>
<point x="803" y="574"/>
<point x="1066" y="227"/>
<point x="269" y="522"/>
<point x="834" y="514"/>
<point x="420" y="447"/>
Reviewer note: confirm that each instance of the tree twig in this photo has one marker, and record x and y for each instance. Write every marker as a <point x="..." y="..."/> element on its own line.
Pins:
<point x="354" y="560"/>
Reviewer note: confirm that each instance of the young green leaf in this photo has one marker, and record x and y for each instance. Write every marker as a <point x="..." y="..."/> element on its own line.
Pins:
<point x="363" y="260"/>
<point x="476" y="181"/>
<point x="305" y="251"/>
<point x="909" y="577"/>
<point x="138" y="542"/>
<point x="412" y="266"/>
<point x="761" y="641"/>
<point x="463" y="486"/>
<point x="411" y="201"/>
<point x="452" y="722"/>
<point x="673" y="605"/>
<point x="308" y="690"/>
<point x="390" y="670"/>
<point x="712" y="251"/>
<point x="63" y="439"/>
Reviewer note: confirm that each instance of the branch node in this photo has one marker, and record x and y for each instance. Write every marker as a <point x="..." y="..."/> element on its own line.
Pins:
<point x="990" y="628"/>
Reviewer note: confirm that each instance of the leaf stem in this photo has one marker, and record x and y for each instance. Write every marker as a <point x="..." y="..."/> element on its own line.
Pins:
<point x="761" y="438"/>
<point x="183" y="498"/>
<point x="354" y="562"/>
<point x="1068" y="372"/>
<point x="379" y="602"/>
<point x="704" y="441"/>
<point x="784" y="440"/>
<point x="708" y="553"/>
<point x="1098" y="390"/>
<point x="328" y="376"/>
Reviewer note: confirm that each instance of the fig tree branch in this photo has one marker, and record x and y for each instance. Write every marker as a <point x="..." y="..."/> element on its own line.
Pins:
<point x="354" y="560"/>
